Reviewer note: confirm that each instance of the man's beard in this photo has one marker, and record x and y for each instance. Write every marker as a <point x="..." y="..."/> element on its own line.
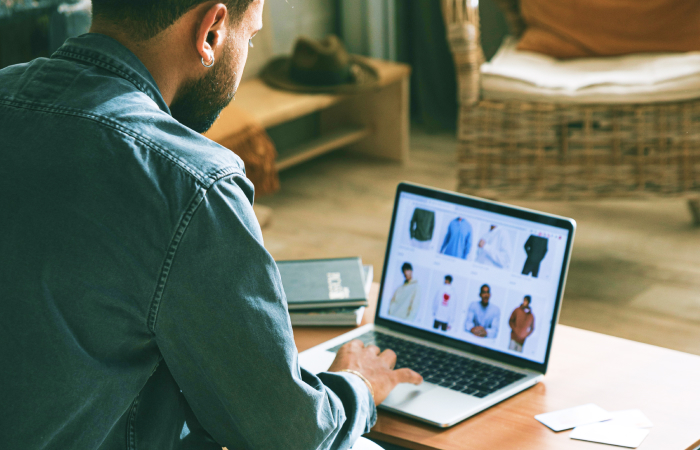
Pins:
<point x="199" y="102"/>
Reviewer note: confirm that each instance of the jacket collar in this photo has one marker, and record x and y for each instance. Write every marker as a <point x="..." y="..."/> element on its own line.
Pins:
<point x="105" y="52"/>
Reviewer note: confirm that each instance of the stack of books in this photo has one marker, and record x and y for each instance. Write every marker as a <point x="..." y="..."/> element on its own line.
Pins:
<point x="326" y="292"/>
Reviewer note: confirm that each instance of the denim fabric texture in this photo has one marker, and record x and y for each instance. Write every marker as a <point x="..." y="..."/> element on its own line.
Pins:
<point x="139" y="308"/>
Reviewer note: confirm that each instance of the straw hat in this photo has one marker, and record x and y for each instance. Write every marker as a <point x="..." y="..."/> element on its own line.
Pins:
<point x="320" y="66"/>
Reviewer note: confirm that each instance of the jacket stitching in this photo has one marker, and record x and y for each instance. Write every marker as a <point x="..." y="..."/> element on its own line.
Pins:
<point x="106" y="65"/>
<point x="116" y="126"/>
<point x="131" y="428"/>
<point x="170" y="257"/>
<point x="187" y="215"/>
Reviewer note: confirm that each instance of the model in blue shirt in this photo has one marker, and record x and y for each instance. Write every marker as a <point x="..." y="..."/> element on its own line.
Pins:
<point x="139" y="307"/>
<point x="458" y="239"/>
<point x="482" y="316"/>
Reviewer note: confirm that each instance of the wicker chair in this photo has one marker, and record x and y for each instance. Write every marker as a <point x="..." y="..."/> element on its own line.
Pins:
<point x="521" y="149"/>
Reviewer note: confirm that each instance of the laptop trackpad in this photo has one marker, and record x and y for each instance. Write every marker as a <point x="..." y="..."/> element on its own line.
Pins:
<point x="440" y="405"/>
<point x="404" y="393"/>
<point x="433" y="403"/>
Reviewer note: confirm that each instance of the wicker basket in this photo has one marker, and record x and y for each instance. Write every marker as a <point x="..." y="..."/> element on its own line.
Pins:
<point x="523" y="149"/>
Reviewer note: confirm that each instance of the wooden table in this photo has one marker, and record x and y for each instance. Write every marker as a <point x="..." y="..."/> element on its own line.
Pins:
<point x="585" y="367"/>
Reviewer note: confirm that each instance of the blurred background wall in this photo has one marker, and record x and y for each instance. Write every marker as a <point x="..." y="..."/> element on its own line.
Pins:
<point x="34" y="28"/>
<point x="410" y="31"/>
<point x="413" y="31"/>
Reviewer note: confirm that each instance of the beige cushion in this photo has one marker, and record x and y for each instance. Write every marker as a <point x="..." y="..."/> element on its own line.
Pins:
<point x="579" y="28"/>
<point x="513" y="74"/>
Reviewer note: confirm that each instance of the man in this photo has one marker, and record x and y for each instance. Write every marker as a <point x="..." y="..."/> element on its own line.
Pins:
<point x="494" y="248"/>
<point x="522" y="325"/>
<point x="405" y="303"/>
<point x="140" y="308"/>
<point x="483" y="317"/>
<point x="444" y="305"/>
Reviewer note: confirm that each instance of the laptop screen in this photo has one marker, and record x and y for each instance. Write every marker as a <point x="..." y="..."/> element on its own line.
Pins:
<point x="475" y="271"/>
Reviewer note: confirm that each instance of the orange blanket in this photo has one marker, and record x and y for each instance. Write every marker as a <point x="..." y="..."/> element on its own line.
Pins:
<point x="238" y="131"/>
<point x="588" y="28"/>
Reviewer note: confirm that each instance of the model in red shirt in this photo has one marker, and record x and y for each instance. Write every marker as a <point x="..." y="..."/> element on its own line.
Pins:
<point x="522" y="324"/>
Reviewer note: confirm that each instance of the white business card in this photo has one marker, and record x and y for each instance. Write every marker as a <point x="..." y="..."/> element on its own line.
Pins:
<point x="572" y="417"/>
<point x="610" y="433"/>
<point x="631" y="418"/>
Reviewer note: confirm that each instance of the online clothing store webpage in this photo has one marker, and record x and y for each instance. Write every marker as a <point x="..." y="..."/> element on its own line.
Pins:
<point x="473" y="275"/>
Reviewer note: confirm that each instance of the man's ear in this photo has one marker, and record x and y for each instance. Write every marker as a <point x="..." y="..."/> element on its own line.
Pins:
<point x="211" y="32"/>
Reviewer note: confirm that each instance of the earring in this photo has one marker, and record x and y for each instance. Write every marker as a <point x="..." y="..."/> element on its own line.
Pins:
<point x="210" y="64"/>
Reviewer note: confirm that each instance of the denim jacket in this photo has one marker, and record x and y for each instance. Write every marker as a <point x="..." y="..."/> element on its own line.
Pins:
<point x="139" y="308"/>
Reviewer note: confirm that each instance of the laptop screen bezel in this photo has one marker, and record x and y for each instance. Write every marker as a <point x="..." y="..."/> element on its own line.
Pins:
<point x="498" y="208"/>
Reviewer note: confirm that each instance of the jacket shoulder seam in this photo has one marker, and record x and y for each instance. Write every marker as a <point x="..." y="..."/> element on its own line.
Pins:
<point x="202" y="178"/>
<point x="175" y="241"/>
<point x="103" y="64"/>
<point x="184" y="222"/>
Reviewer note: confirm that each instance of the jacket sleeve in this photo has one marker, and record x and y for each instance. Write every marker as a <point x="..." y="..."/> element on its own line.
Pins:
<point x="432" y="223"/>
<point x="528" y="245"/>
<point x="436" y="302"/>
<point x="392" y="303"/>
<point x="492" y="329"/>
<point x="469" y="322"/>
<point x="498" y="249"/>
<point x="223" y="329"/>
<point x="447" y="239"/>
<point x="414" y="224"/>
<point x="415" y="303"/>
<point x="467" y="243"/>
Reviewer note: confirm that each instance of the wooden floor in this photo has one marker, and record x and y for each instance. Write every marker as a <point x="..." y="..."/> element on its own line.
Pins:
<point x="635" y="270"/>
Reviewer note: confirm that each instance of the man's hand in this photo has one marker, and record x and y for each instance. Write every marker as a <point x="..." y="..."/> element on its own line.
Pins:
<point x="482" y="243"/>
<point x="478" y="331"/>
<point x="374" y="365"/>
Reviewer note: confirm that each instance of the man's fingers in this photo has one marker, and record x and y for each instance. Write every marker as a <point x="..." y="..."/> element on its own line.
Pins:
<point x="407" y="376"/>
<point x="389" y="357"/>
<point x="354" y="343"/>
<point x="374" y="349"/>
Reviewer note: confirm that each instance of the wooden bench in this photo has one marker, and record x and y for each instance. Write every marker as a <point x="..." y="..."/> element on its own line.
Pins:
<point x="373" y="122"/>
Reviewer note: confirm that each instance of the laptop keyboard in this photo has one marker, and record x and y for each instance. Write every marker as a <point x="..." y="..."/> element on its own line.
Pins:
<point x="448" y="370"/>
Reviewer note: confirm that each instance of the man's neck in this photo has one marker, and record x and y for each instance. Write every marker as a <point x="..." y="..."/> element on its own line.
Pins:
<point x="155" y="54"/>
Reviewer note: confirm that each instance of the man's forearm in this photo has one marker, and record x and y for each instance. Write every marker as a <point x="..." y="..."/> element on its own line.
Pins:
<point x="358" y="407"/>
<point x="223" y="328"/>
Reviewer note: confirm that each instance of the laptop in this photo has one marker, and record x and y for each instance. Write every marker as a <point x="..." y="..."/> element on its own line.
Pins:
<point x="469" y="298"/>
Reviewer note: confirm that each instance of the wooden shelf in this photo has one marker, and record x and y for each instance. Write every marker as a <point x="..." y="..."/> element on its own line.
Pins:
<point x="271" y="106"/>
<point x="325" y="143"/>
<point x="372" y="122"/>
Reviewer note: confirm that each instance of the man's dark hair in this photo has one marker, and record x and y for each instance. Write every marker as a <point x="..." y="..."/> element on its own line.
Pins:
<point x="406" y="266"/>
<point x="448" y="278"/>
<point x="144" y="19"/>
<point x="528" y="298"/>
<point x="485" y="286"/>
